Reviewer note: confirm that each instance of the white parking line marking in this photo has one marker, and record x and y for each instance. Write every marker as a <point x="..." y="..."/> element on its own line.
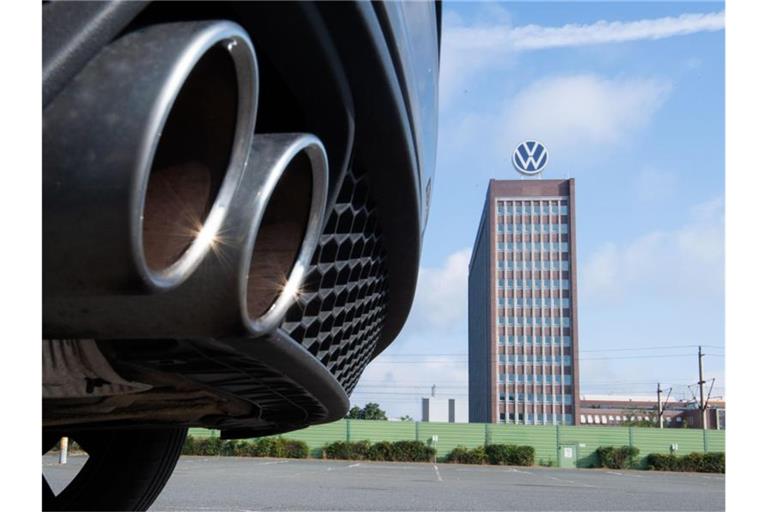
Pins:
<point x="570" y="481"/>
<point x="398" y="468"/>
<point x="437" y="471"/>
<point x="622" y="474"/>
<point x="513" y="470"/>
<point x="353" y="465"/>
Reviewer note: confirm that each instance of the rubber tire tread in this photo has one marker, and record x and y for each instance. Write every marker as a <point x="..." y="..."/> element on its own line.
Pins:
<point x="126" y="469"/>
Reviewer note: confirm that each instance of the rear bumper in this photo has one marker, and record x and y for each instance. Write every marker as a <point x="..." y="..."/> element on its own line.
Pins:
<point x="379" y="131"/>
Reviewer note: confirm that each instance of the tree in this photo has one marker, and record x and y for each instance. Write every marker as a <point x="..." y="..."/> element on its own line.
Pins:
<point x="355" y="413"/>
<point x="371" y="411"/>
<point x="406" y="418"/>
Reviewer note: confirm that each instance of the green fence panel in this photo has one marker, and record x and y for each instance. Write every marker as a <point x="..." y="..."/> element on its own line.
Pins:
<point x="202" y="432"/>
<point x="374" y="431"/>
<point x="543" y="438"/>
<point x="654" y="440"/>
<point x="318" y="436"/>
<point x="451" y="435"/>
<point x="715" y="440"/>
<point x="588" y="439"/>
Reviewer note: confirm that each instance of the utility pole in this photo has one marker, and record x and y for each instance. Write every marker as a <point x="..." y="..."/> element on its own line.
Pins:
<point x="702" y="404"/>
<point x="659" y="409"/>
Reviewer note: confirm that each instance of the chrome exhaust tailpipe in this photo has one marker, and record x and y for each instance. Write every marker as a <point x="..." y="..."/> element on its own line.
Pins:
<point x="253" y="271"/>
<point x="285" y="221"/>
<point x="142" y="154"/>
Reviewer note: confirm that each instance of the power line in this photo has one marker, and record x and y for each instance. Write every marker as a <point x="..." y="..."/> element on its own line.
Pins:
<point x="463" y="361"/>
<point x="627" y="349"/>
<point x="656" y="356"/>
<point x="421" y="395"/>
<point x="621" y="349"/>
<point x="464" y="354"/>
<point x="454" y="383"/>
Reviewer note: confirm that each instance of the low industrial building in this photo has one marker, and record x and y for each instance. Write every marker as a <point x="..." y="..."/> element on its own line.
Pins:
<point x="447" y="410"/>
<point x="624" y="410"/>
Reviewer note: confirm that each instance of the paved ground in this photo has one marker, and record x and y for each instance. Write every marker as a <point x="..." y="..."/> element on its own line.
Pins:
<point x="232" y="483"/>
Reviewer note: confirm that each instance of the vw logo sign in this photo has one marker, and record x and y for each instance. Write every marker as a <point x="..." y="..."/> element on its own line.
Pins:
<point x="530" y="157"/>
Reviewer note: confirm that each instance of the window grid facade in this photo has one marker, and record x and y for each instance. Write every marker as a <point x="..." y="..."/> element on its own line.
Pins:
<point x="529" y="234"/>
<point x="525" y="248"/>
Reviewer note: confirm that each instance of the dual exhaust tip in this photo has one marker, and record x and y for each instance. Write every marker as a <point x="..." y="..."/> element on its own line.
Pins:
<point x="163" y="213"/>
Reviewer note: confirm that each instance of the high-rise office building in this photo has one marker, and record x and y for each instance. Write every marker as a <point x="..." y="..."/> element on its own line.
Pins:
<point x="523" y="336"/>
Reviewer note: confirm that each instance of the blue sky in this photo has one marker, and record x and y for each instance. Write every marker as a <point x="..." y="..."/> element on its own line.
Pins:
<point x="629" y="99"/>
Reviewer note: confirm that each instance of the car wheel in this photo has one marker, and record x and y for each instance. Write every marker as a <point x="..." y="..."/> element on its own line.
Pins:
<point x="126" y="469"/>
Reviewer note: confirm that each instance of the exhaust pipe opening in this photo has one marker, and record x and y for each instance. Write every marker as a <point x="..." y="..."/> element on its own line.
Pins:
<point x="143" y="152"/>
<point x="201" y="153"/>
<point x="280" y="236"/>
<point x="291" y="173"/>
<point x="191" y="160"/>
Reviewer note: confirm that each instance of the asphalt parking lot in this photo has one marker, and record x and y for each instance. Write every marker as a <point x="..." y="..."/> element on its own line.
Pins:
<point x="241" y="484"/>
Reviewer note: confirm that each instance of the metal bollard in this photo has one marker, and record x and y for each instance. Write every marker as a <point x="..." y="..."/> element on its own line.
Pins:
<point x="63" y="448"/>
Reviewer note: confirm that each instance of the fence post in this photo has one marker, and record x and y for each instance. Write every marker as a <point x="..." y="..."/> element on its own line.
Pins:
<point x="631" y="439"/>
<point x="349" y="430"/>
<point x="417" y="430"/>
<point x="487" y="434"/>
<point x="706" y="440"/>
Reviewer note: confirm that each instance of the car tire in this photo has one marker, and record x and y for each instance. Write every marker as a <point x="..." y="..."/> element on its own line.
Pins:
<point x="126" y="469"/>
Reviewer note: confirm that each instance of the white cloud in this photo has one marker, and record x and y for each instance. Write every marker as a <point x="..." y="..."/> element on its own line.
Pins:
<point x="687" y="261"/>
<point x="652" y="185"/>
<point x="575" y="112"/>
<point x="585" y="120"/>
<point x="469" y="49"/>
<point x="441" y="294"/>
<point x="537" y="37"/>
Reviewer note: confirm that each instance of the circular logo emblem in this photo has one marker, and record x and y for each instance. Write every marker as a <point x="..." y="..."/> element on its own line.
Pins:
<point x="530" y="157"/>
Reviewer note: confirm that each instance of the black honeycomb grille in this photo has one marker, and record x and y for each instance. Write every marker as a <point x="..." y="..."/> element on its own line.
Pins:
<point x="340" y="315"/>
